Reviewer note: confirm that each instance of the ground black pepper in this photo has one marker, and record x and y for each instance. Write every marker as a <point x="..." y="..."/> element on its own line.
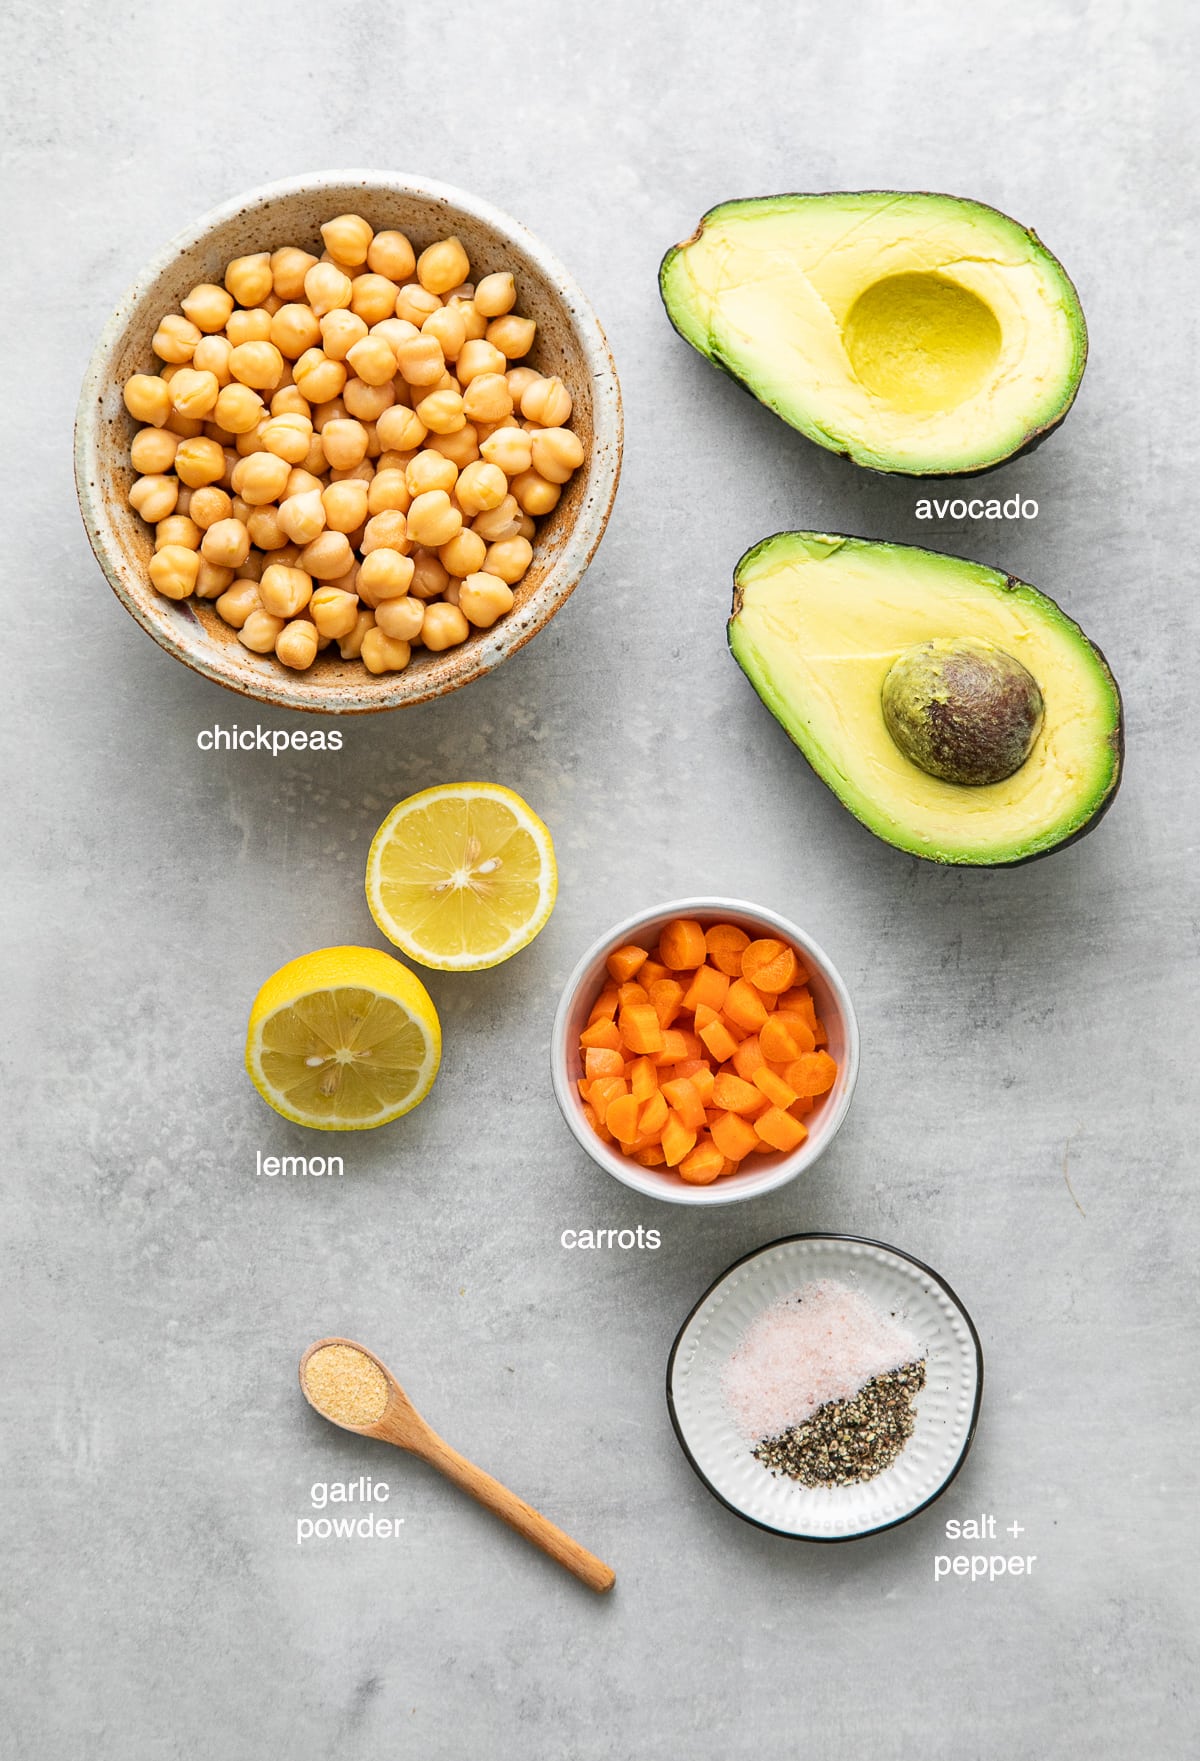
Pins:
<point x="847" y="1441"/>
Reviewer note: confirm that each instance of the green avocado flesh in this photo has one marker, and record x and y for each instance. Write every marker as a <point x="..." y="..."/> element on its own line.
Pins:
<point x="921" y="334"/>
<point x="820" y="621"/>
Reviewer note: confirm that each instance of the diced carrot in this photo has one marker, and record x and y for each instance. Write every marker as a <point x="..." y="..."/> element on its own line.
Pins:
<point x="683" y="1097"/>
<point x="604" y="1091"/>
<point x="584" y="1087"/>
<point x="780" y="1130"/>
<point x="666" y="997"/>
<point x="797" y="1026"/>
<point x="622" y="1118"/>
<point x="734" y="1137"/>
<point x="731" y="1167"/>
<point x="802" y="1105"/>
<point x="601" y="1033"/>
<point x="651" y="1157"/>
<point x="736" y="1096"/>
<point x="719" y="1041"/>
<point x="600" y="1061"/>
<point x="800" y="999"/>
<point x="813" y="1073"/>
<point x="677" y="1140"/>
<point x="640" y="1028"/>
<point x="778" y="1045"/>
<point x="725" y="943"/>
<point x="709" y="987"/>
<point x="774" y="1087"/>
<point x="703" y="1016"/>
<point x="681" y="945"/>
<point x="598" y="1125"/>
<point x="643" y="1079"/>
<point x="631" y="992"/>
<point x="820" y="1037"/>
<point x="747" y="1058"/>
<point x="744" y="1006"/>
<point x="692" y="1045"/>
<point x="625" y="963"/>
<point x="674" y="1047"/>
<point x="770" y="965"/>
<point x="605" y="1006"/>
<point x="734" y="1029"/>
<point x="686" y="1067"/>
<point x="653" y="1115"/>
<point x="702" y="1081"/>
<point x="653" y="972"/>
<point x="702" y="1166"/>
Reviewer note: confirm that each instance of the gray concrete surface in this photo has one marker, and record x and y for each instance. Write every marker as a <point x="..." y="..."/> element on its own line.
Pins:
<point x="1022" y="1119"/>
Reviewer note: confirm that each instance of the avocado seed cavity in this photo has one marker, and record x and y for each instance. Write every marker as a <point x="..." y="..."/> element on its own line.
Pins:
<point x="962" y="710"/>
<point x="921" y="342"/>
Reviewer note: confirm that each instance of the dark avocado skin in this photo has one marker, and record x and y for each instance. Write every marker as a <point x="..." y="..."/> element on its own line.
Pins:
<point x="1116" y="740"/>
<point x="1031" y="442"/>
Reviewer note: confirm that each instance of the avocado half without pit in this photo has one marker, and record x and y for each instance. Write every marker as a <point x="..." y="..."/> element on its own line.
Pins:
<point x="959" y="713"/>
<point x="921" y="334"/>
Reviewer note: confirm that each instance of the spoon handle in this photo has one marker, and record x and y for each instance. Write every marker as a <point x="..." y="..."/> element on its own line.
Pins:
<point x="521" y="1516"/>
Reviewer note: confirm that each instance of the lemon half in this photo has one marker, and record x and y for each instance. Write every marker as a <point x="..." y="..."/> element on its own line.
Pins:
<point x="343" y="1040"/>
<point x="461" y="877"/>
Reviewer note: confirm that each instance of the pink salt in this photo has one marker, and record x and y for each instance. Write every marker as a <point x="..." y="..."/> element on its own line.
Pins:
<point x="820" y="1343"/>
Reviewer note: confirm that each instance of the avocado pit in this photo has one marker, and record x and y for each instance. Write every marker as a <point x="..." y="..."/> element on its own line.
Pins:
<point x="962" y="709"/>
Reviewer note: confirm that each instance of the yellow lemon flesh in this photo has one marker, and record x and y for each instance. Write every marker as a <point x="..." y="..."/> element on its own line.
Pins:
<point x="461" y="877"/>
<point x="343" y="1040"/>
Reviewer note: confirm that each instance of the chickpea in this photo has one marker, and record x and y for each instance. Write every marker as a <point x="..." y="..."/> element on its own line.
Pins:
<point x="238" y="601"/>
<point x="208" y="306"/>
<point x="227" y="544"/>
<point x="363" y="472"/>
<point x="484" y="598"/>
<point x="288" y="401"/>
<point x="547" y="401"/>
<point x="264" y="528"/>
<point x="416" y="303"/>
<point x="430" y="578"/>
<point x="257" y="364"/>
<point x="212" y="356"/>
<point x="301" y="481"/>
<point x="420" y="360"/>
<point x="451" y="594"/>
<point x="193" y="393"/>
<point x="153" y="450"/>
<point x="487" y="399"/>
<point x="391" y="254"/>
<point x="154" y="497"/>
<point x="302" y="517"/>
<point x="480" y="488"/>
<point x="250" y="279"/>
<point x="238" y="409"/>
<point x="388" y="489"/>
<point x="499" y="522"/>
<point x="526" y="527"/>
<point x="148" y="399"/>
<point x="284" y="591"/>
<point x="318" y="377"/>
<point x="260" y="631"/>
<point x="345" y="442"/>
<point x="535" y="495"/>
<point x="251" y="440"/>
<point x="442" y="412"/>
<point x="327" y="288"/>
<point x="177" y="529"/>
<point x="340" y="330"/>
<point x="272" y="302"/>
<point x="478" y="357"/>
<point x="495" y="295"/>
<point x="384" y="573"/>
<point x="296" y="644"/>
<point x="289" y="266"/>
<point x="450" y="330"/>
<point x="510" y="448"/>
<point x="386" y="531"/>
<point x="333" y="611"/>
<point x="381" y="654"/>
<point x="463" y="555"/>
<point x="174" y="569"/>
<point x="348" y="239"/>
<point x="252" y="326"/>
<point x="333" y="410"/>
<point x="175" y="339"/>
<point x="212" y="579"/>
<point x="314" y="460"/>
<point x="294" y="329"/>
<point x="433" y="520"/>
<point x="401" y="619"/>
<point x="509" y="559"/>
<point x="474" y="322"/>
<point x="350" y="647"/>
<point x="208" y="505"/>
<point x="371" y="358"/>
<point x="443" y="266"/>
<point x="368" y="402"/>
<point x="443" y="626"/>
<point x="394" y="331"/>
<point x="400" y="430"/>
<point x="461" y="449"/>
<point x="373" y="298"/>
<point x="288" y="437"/>
<point x="557" y="453"/>
<point x="252" y="568"/>
<point x="519" y="379"/>
<point x="328" y="557"/>
<point x="260" y="478"/>
<point x="513" y="336"/>
<point x="344" y="504"/>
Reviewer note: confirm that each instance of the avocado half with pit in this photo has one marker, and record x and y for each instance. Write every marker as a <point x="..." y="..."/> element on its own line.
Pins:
<point x="920" y="334"/>
<point x="956" y="711"/>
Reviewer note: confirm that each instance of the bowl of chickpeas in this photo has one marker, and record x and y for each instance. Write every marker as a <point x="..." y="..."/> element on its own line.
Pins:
<point x="348" y="442"/>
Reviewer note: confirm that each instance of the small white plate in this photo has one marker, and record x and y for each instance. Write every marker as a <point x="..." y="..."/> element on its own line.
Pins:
<point x="947" y="1407"/>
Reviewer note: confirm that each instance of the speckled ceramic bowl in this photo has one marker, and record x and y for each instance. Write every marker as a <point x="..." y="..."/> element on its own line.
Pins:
<point x="758" y="1174"/>
<point x="570" y="343"/>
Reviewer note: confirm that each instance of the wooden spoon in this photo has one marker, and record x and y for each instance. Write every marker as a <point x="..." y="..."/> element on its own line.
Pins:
<point x="401" y="1424"/>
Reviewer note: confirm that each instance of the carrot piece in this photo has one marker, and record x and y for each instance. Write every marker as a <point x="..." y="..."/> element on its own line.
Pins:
<point x="621" y="1118"/>
<point x="601" y="1033"/>
<point x="744" y="1006"/>
<point x="820" y="1037"/>
<point x="708" y="987"/>
<point x="677" y="1140"/>
<point x="702" y="1080"/>
<point x="605" y="1006"/>
<point x="718" y="1040"/>
<point x="802" y="1105"/>
<point x="769" y="965"/>
<point x="681" y="945"/>
<point x="691" y="1044"/>
<point x="736" y="1096"/>
<point x="733" y="1136"/>
<point x="685" y="1067"/>
<point x="674" y="1047"/>
<point x="703" y="1016"/>
<point x="643" y="1079"/>
<point x="747" y="1058"/>
<point x="780" y="1130"/>
<point x="666" y="998"/>
<point x="731" y="1167"/>
<point x="625" y="963"/>
<point x="685" y="1100"/>
<point x="601" y="1061"/>
<point x="631" y="992"/>
<point x="813" y="1073"/>
<point x="651" y="1157"/>
<point x="778" y="1046"/>
<point x="653" y="972"/>
<point x="725" y="943"/>
<point x="702" y="1166"/>
<point x="774" y="1087"/>
<point x="598" y="1125"/>
<point x="797" y="1025"/>
<point x="584" y="1087"/>
<point x="653" y="1115"/>
<point x="640" y="1028"/>
<point x="800" y="999"/>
